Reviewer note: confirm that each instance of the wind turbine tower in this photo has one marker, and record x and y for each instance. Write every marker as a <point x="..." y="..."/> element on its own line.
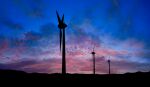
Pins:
<point x="93" y="55"/>
<point x="62" y="26"/>
<point x="109" y="65"/>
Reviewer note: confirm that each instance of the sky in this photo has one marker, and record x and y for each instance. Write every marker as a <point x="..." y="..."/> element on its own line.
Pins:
<point x="118" y="29"/>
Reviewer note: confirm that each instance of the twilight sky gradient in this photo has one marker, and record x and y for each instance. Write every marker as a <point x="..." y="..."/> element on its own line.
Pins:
<point x="120" y="29"/>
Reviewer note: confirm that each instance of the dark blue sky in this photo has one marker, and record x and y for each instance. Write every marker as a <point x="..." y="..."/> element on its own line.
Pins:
<point x="119" y="28"/>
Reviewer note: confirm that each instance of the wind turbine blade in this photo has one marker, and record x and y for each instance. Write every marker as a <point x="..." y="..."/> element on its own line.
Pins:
<point x="58" y="17"/>
<point x="94" y="48"/>
<point x="60" y="38"/>
<point x="63" y="18"/>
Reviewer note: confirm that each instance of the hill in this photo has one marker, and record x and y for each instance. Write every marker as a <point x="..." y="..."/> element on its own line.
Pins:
<point x="20" y="75"/>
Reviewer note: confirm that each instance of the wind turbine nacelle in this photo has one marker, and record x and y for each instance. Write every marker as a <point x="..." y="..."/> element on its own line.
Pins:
<point x="62" y="26"/>
<point x="93" y="53"/>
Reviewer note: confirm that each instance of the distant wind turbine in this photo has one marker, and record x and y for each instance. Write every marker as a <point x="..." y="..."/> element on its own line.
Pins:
<point x="62" y="26"/>
<point x="93" y="55"/>
<point x="109" y="65"/>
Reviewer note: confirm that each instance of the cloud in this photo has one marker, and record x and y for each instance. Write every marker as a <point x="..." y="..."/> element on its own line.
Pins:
<point x="36" y="13"/>
<point x="76" y="66"/>
<point x="32" y="37"/>
<point x="126" y="66"/>
<point x="34" y="66"/>
<point x="43" y="50"/>
<point x="12" y="25"/>
<point x="38" y="50"/>
<point x="49" y="30"/>
<point x="31" y="8"/>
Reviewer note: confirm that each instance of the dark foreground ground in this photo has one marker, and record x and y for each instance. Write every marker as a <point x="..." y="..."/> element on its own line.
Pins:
<point x="20" y="75"/>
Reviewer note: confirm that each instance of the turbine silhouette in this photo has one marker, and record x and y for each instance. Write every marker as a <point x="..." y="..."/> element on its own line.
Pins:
<point x="93" y="54"/>
<point x="109" y="65"/>
<point x="62" y="26"/>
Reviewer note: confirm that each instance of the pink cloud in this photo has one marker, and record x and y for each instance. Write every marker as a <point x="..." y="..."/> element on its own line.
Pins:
<point x="79" y="59"/>
<point x="4" y="45"/>
<point x="111" y="52"/>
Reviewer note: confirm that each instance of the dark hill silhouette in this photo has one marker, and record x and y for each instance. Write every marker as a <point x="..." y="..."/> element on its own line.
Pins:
<point x="13" y="74"/>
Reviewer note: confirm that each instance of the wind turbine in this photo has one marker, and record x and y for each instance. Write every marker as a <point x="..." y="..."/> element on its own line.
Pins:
<point x="62" y="26"/>
<point x="109" y="64"/>
<point x="93" y="54"/>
